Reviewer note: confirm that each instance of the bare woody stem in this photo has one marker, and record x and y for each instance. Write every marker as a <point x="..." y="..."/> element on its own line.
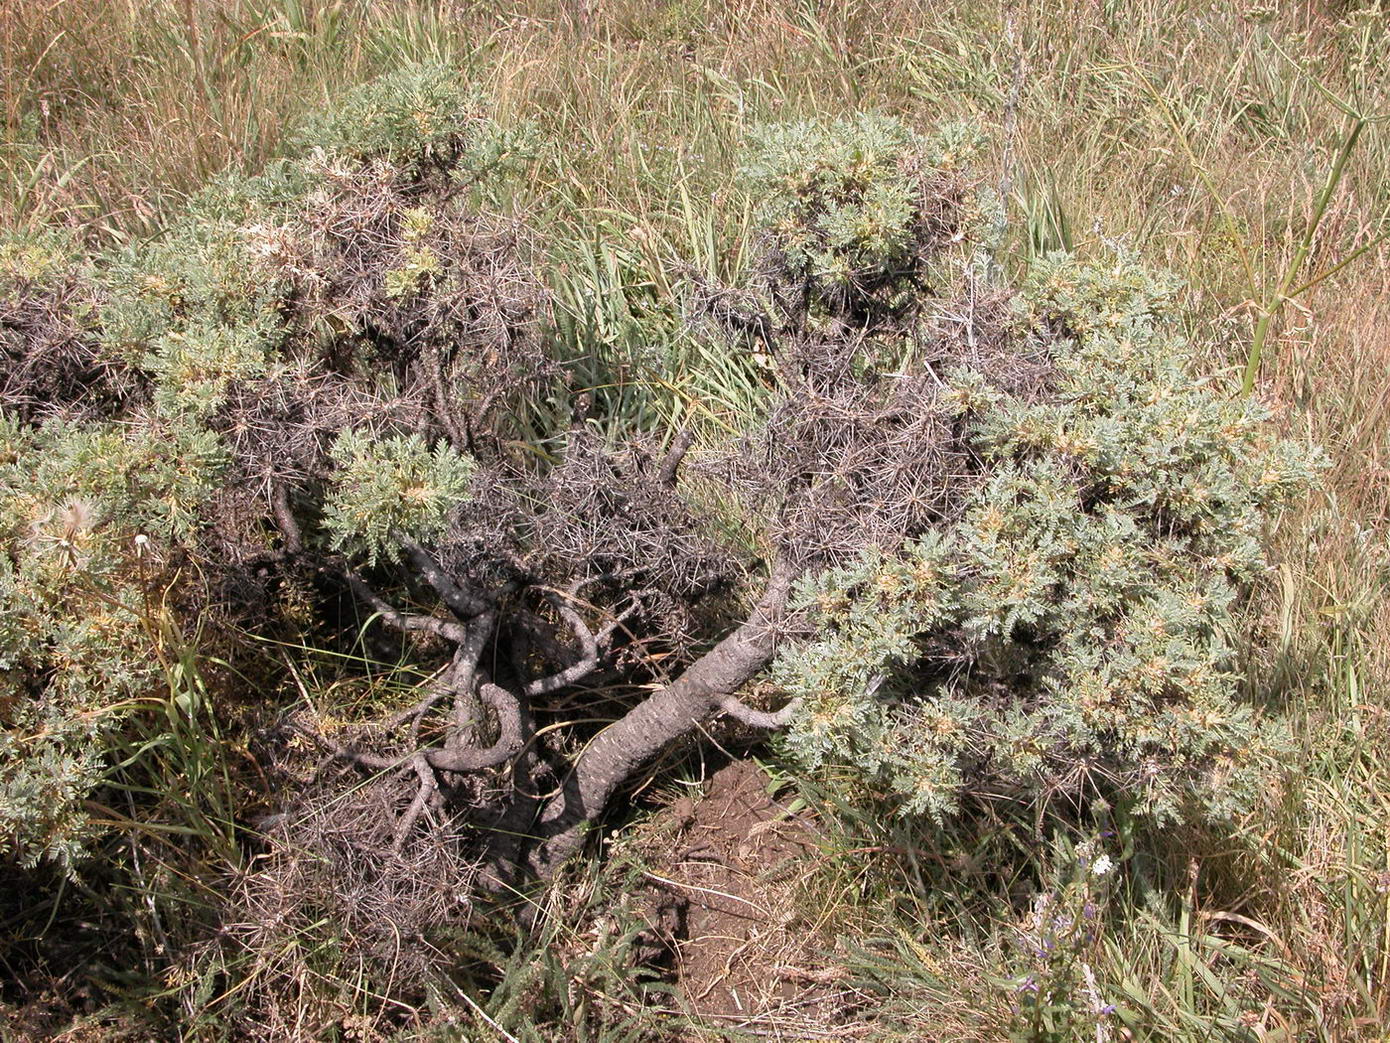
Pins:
<point x="619" y="751"/>
<point x="732" y="707"/>
<point x="672" y="462"/>
<point x="405" y="621"/>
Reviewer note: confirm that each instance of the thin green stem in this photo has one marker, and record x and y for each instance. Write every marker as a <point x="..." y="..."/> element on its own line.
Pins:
<point x="1282" y="295"/>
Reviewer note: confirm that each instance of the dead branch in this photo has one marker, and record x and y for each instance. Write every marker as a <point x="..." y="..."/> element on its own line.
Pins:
<point x="588" y="661"/>
<point x="508" y="743"/>
<point x="284" y="518"/>
<point x="463" y="602"/>
<point x="672" y="462"/>
<point x="407" y="622"/>
<point x="621" y="749"/>
<point x="745" y="714"/>
<point x="443" y="401"/>
<point x="428" y="785"/>
<point x="461" y="673"/>
<point x="366" y="760"/>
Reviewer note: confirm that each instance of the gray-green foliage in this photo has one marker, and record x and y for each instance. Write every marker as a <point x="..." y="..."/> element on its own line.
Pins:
<point x="90" y="517"/>
<point x="95" y="509"/>
<point x="410" y="116"/>
<point x="109" y="497"/>
<point x="851" y="209"/>
<point x="1070" y="624"/>
<point x="1072" y="630"/>
<point x="389" y="489"/>
<point x="417" y="116"/>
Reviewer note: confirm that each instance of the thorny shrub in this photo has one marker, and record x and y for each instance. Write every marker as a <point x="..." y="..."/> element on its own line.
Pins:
<point x="1070" y="631"/>
<point x="297" y="345"/>
<point x="1026" y="519"/>
<point x="1020" y="523"/>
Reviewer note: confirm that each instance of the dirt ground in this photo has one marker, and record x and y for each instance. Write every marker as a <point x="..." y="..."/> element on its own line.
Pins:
<point x="724" y="899"/>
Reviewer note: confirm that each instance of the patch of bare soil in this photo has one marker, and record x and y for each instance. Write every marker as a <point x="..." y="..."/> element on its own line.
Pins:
<point x="725" y="898"/>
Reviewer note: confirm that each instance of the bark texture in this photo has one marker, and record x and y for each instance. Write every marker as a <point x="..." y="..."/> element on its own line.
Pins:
<point x="618" y="752"/>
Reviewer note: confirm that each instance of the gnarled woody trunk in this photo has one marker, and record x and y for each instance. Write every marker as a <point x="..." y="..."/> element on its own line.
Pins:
<point x="621" y="749"/>
<point x="533" y="834"/>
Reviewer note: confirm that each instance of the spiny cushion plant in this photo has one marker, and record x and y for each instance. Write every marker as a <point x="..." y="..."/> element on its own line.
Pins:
<point x="992" y="542"/>
<point x="870" y="232"/>
<point x="1017" y="529"/>
<point x="49" y="362"/>
<point x="90" y="513"/>
<point x="163" y="407"/>
<point x="1025" y="523"/>
<point x="1070" y="631"/>
<point x="89" y="508"/>
<point x="855" y="212"/>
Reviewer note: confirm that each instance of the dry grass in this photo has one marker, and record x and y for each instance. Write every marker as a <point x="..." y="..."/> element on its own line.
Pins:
<point x="1198" y="134"/>
<point x="113" y="111"/>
